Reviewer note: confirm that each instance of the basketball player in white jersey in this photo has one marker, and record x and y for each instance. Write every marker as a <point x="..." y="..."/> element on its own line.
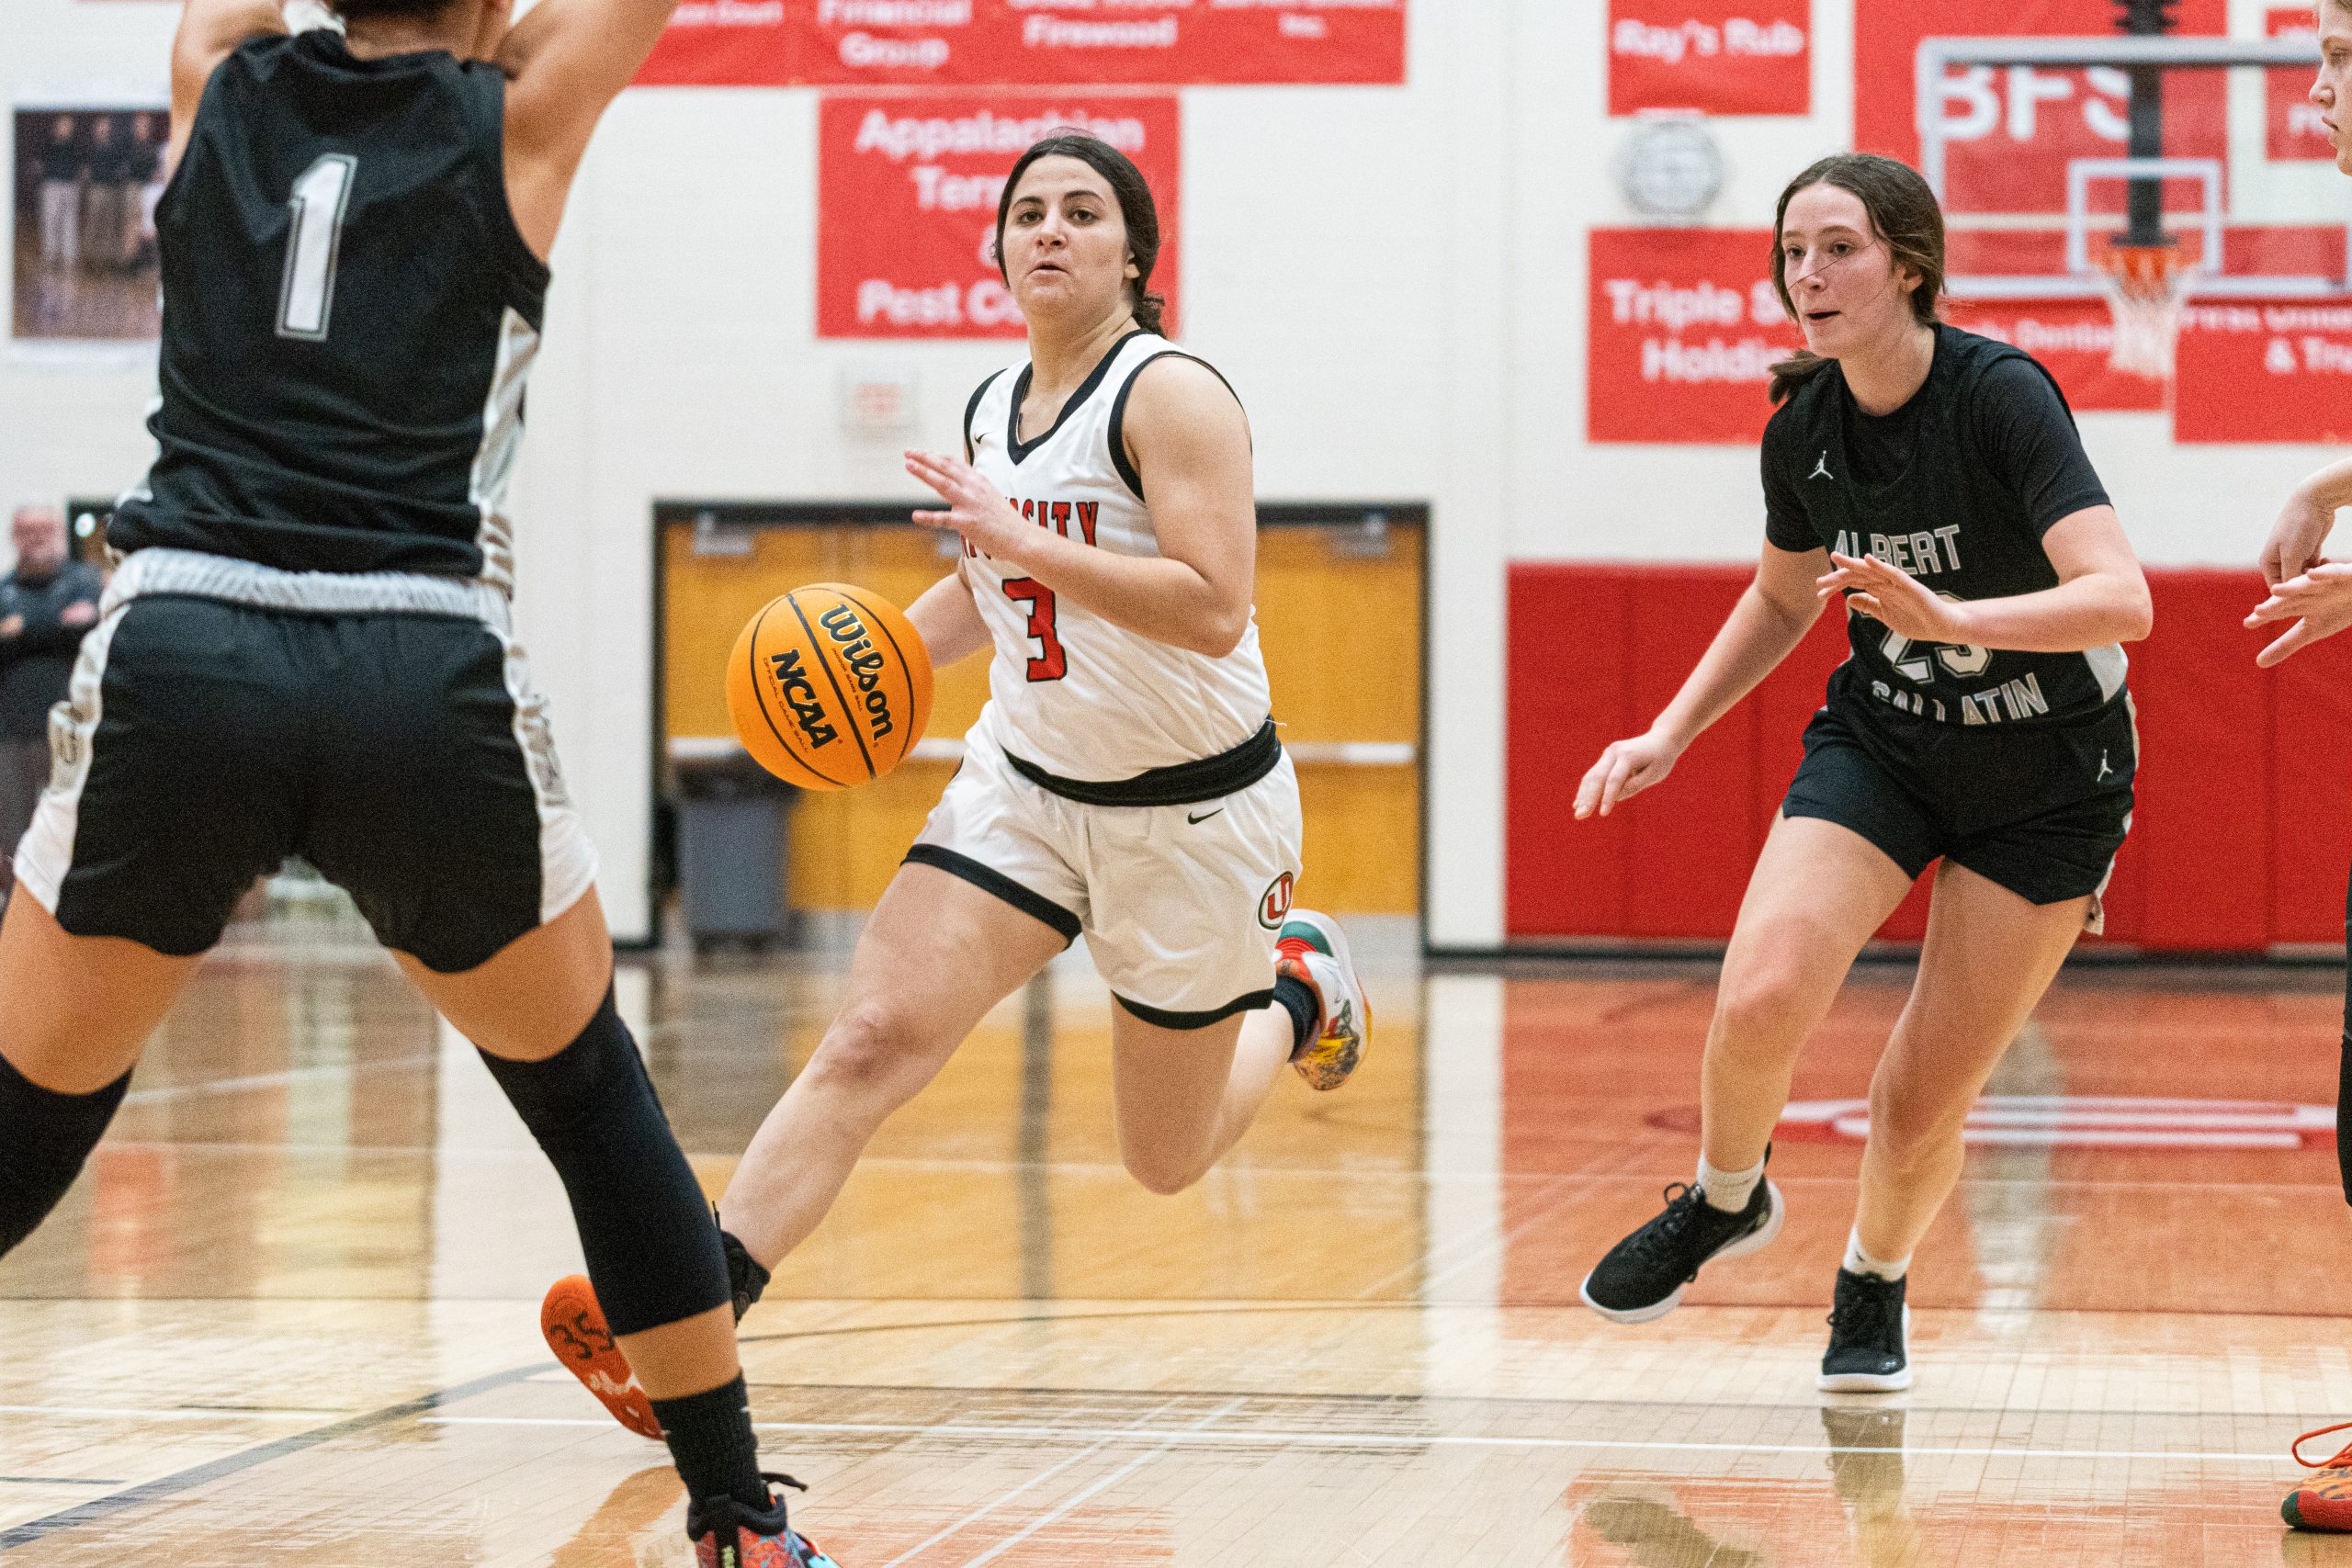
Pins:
<point x="2315" y="596"/>
<point x="1124" y="780"/>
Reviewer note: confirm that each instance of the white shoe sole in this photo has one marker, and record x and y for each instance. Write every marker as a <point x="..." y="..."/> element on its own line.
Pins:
<point x="1873" y="1383"/>
<point x="1776" y="1210"/>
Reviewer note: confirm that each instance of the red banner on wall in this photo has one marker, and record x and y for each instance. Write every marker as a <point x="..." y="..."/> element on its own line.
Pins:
<point x="1716" y="56"/>
<point x="1683" y="330"/>
<point x="906" y="192"/>
<point x="2296" y="129"/>
<point x="2073" y="339"/>
<point x="950" y="43"/>
<point x="2256" y="371"/>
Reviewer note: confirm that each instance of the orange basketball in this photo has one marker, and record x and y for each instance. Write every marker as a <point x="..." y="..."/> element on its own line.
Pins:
<point x="829" y="686"/>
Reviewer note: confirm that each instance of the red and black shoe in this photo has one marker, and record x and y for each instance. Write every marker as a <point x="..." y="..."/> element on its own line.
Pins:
<point x="728" y="1535"/>
<point x="574" y="1327"/>
<point x="2324" y="1502"/>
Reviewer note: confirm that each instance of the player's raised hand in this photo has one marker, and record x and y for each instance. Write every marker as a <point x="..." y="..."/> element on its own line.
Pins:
<point x="976" y="508"/>
<point x="1627" y="769"/>
<point x="1894" y="599"/>
<point x="2320" y="604"/>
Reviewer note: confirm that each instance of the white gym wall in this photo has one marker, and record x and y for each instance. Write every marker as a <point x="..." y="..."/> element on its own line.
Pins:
<point x="1394" y="278"/>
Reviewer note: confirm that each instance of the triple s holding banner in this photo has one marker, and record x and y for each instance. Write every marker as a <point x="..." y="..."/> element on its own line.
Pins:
<point x="1682" y="324"/>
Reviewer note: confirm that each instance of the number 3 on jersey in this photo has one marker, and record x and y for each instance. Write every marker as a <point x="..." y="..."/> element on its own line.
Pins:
<point x="1050" y="662"/>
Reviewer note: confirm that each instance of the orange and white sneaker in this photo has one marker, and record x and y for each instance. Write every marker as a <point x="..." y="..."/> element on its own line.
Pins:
<point x="573" y="1325"/>
<point x="1314" y="951"/>
<point x="2324" y="1502"/>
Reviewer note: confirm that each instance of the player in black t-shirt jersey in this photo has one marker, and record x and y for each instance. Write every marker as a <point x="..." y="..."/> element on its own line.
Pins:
<point x="1933" y="482"/>
<point x="2315" y="594"/>
<point x="308" y="648"/>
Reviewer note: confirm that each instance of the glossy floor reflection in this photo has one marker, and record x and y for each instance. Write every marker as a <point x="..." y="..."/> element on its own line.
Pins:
<point x="288" y="1313"/>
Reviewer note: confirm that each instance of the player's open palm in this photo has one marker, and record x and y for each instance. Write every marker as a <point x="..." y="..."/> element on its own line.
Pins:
<point x="1627" y="769"/>
<point x="2320" y="604"/>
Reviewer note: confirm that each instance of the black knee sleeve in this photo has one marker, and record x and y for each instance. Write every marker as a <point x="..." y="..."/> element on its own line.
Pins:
<point x="652" y="1251"/>
<point x="44" y="1138"/>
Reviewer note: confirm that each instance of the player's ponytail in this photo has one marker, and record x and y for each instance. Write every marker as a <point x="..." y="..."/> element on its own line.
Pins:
<point x="1904" y="212"/>
<point x="1137" y="210"/>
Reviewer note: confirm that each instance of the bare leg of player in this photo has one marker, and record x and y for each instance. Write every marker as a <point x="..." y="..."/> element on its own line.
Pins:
<point x="1818" y="894"/>
<point x="936" y="955"/>
<point x="1988" y="958"/>
<point x="1185" y="1096"/>
<point x="75" y="1011"/>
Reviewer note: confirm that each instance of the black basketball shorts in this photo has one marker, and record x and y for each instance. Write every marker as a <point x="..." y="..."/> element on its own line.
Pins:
<point x="400" y="751"/>
<point x="2041" y="809"/>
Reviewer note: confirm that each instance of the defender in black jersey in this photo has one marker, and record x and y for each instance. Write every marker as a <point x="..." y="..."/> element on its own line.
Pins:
<point x="308" y="649"/>
<point x="1930" y="481"/>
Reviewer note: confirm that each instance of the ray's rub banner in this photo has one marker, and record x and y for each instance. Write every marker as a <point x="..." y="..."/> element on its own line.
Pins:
<point x="1714" y="56"/>
<point x="953" y="43"/>
<point x="907" y="190"/>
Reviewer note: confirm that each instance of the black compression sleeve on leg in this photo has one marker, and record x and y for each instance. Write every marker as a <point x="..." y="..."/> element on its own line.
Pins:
<point x="652" y="1251"/>
<point x="44" y="1138"/>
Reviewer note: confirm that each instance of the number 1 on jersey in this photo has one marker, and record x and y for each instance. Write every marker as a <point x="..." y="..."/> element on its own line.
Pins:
<point x="306" y="298"/>
<point x="1051" y="662"/>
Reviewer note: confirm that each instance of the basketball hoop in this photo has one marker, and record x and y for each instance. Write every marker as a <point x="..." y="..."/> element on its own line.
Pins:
<point x="2146" y="288"/>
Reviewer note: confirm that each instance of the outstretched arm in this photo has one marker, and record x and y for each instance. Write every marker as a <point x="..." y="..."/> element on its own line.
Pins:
<point x="208" y="33"/>
<point x="1190" y="446"/>
<point x="565" y="62"/>
<point x="2101" y="596"/>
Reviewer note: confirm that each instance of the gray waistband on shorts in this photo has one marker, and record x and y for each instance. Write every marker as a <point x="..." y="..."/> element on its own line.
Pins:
<point x="204" y="576"/>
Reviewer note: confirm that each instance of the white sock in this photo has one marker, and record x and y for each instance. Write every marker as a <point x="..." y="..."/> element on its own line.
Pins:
<point x="1861" y="1262"/>
<point x="1728" y="1190"/>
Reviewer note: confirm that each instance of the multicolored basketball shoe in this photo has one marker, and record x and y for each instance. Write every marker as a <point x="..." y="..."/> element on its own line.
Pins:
<point x="1314" y="951"/>
<point x="728" y="1535"/>
<point x="573" y="1326"/>
<point x="2324" y="1502"/>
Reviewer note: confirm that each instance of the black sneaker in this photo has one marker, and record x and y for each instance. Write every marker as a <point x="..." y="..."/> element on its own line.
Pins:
<point x="728" y="1535"/>
<point x="1869" y="1329"/>
<point x="1642" y="1277"/>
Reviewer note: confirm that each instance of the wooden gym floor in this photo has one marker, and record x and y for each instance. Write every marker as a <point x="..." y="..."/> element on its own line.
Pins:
<point x="288" y="1313"/>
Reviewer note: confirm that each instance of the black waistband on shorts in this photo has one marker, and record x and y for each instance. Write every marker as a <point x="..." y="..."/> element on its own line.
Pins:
<point x="1183" y="784"/>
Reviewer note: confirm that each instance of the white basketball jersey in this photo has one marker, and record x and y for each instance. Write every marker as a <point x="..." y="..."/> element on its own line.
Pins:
<point x="1069" y="691"/>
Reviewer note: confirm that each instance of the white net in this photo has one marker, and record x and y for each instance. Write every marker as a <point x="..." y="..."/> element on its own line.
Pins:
<point x="2146" y="287"/>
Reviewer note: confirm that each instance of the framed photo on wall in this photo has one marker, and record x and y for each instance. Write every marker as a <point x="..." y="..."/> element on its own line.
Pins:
<point x="86" y="178"/>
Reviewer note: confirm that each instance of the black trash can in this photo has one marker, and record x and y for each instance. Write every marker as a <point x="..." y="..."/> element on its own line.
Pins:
<point x="731" y="851"/>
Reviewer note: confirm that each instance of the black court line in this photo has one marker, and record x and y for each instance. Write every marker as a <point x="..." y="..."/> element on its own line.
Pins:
<point x="171" y="1485"/>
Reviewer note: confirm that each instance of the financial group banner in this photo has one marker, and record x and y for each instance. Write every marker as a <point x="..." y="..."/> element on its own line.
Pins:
<point x="1714" y="56"/>
<point x="955" y="43"/>
<point x="906" y="193"/>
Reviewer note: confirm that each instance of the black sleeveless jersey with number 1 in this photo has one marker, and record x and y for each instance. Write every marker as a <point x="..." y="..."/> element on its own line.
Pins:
<point x="349" y="315"/>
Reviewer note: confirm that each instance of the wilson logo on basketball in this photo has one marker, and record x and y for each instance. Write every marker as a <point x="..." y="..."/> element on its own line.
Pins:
<point x="1275" y="907"/>
<point x="865" y="664"/>
<point x="800" y="695"/>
